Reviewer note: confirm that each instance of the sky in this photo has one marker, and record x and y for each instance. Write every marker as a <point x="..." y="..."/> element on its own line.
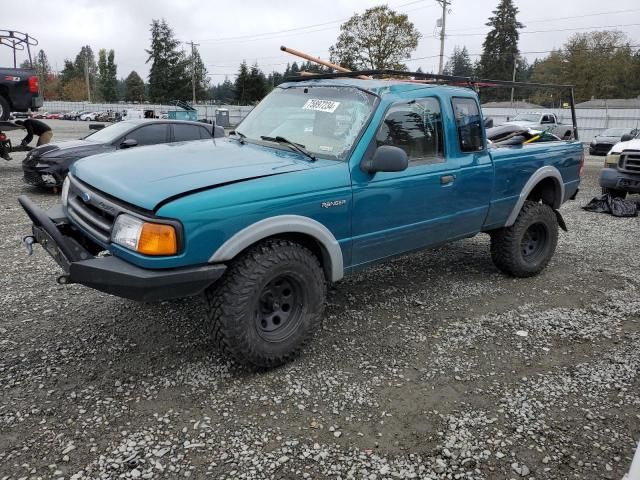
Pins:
<point x="253" y="30"/>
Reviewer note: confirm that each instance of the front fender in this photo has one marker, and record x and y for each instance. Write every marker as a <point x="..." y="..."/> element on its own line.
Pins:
<point x="283" y="224"/>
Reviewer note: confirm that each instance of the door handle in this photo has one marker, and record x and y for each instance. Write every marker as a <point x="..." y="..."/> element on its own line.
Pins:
<point x="447" y="179"/>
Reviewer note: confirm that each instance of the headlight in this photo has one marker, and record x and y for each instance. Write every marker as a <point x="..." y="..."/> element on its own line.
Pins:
<point x="144" y="237"/>
<point x="612" y="160"/>
<point x="65" y="191"/>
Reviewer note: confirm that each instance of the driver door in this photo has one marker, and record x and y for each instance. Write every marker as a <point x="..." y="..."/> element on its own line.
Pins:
<point x="396" y="212"/>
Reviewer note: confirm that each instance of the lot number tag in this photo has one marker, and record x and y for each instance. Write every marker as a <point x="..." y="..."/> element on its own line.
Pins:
<point x="327" y="106"/>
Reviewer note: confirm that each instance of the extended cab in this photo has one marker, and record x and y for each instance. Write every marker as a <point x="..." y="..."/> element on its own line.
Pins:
<point x="321" y="179"/>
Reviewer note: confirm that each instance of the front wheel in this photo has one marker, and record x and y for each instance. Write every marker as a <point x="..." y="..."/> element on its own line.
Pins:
<point x="525" y="248"/>
<point x="268" y="304"/>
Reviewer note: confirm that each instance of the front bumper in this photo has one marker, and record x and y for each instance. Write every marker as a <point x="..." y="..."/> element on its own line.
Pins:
<point x="41" y="174"/>
<point x="71" y="250"/>
<point x="600" y="148"/>
<point x="616" y="180"/>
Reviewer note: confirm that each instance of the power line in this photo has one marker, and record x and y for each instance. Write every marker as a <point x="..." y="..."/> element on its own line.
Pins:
<point x="560" y="18"/>
<point x="552" y="30"/>
<point x="300" y="30"/>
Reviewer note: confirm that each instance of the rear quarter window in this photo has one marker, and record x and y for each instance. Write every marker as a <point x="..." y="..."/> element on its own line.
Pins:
<point x="186" y="132"/>
<point x="468" y="123"/>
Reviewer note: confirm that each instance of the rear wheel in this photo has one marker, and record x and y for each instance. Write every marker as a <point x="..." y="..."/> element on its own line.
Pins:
<point x="267" y="306"/>
<point x="4" y="109"/>
<point x="525" y="248"/>
<point x="614" y="192"/>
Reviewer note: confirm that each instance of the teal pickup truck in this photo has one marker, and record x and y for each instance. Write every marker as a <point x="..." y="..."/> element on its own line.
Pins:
<point x="324" y="177"/>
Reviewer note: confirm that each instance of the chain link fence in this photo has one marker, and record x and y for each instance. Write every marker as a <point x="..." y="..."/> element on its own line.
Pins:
<point x="591" y="121"/>
<point x="205" y="112"/>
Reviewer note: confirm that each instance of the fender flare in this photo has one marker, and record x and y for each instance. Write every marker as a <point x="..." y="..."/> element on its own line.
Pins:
<point x="543" y="172"/>
<point x="282" y="224"/>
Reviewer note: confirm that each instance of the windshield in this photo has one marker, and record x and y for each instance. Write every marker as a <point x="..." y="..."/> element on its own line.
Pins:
<point x="615" y="132"/>
<point x="527" y="117"/>
<point x="326" y="120"/>
<point x="110" y="133"/>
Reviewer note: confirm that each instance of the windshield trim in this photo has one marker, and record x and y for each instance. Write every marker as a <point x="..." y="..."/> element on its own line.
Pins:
<point x="324" y="156"/>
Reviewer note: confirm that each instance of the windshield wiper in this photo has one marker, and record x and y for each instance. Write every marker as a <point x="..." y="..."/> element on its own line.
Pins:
<point x="241" y="136"/>
<point x="296" y="146"/>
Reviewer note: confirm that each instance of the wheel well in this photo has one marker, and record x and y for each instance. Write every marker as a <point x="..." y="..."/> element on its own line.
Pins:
<point x="546" y="191"/>
<point x="313" y="245"/>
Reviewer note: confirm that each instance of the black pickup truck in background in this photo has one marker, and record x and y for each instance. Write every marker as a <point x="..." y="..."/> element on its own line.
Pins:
<point x="19" y="91"/>
<point x="19" y="87"/>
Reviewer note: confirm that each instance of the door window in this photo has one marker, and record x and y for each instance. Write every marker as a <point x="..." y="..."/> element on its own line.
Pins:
<point x="469" y="124"/>
<point x="415" y="127"/>
<point x="150" y="134"/>
<point x="186" y="132"/>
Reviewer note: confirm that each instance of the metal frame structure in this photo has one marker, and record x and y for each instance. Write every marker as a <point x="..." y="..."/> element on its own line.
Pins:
<point x="18" y="42"/>
<point x="431" y="78"/>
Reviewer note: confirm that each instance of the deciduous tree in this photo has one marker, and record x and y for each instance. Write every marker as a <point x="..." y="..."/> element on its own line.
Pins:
<point x="380" y="38"/>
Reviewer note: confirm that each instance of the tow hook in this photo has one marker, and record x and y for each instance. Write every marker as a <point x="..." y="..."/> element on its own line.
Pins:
<point x="28" y="242"/>
<point x="64" y="280"/>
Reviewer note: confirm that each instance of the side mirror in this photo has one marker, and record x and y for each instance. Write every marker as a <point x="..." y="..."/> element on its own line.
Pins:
<point x="128" y="143"/>
<point x="386" y="159"/>
<point x="626" y="137"/>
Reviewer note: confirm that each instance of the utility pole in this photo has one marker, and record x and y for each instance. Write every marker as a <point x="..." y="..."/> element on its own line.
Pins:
<point x="86" y="77"/>
<point x="193" y="69"/>
<point x="445" y="4"/>
<point x="515" y="64"/>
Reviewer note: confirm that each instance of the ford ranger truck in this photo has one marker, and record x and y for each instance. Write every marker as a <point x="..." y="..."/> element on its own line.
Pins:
<point x="321" y="179"/>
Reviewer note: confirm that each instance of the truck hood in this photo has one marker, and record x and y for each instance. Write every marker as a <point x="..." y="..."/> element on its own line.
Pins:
<point x="630" y="145"/>
<point x="145" y="176"/>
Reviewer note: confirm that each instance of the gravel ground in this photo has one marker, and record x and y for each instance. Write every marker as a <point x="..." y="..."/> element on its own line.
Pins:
<point x="431" y="366"/>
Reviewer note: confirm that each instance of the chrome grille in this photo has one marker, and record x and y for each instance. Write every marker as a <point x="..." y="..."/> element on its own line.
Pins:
<point x="629" y="162"/>
<point x="91" y="210"/>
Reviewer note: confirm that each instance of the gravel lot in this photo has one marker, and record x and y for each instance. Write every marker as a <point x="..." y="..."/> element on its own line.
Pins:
<point x="431" y="366"/>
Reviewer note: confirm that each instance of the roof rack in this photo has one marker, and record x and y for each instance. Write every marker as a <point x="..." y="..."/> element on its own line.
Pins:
<point x="434" y="79"/>
<point x="425" y="78"/>
<point x="18" y="41"/>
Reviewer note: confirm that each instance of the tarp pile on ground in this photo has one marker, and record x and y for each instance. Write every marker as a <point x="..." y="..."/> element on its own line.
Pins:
<point x="616" y="206"/>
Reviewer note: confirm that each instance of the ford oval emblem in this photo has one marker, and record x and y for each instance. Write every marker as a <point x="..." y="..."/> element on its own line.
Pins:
<point x="85" y="196"/>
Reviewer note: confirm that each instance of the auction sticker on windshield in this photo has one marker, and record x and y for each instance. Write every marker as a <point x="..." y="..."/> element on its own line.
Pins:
<point x="318" y="105"/>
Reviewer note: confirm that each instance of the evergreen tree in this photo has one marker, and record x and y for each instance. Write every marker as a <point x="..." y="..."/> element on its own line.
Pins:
<point x="460" y="63"/>
<point x="134" y="91"/>
<point x="257" y="84"/>
<point x="168" y="76"/>
<point x="86" y="61"/>
<point x="107" y="71"/>
<point x="201" y="79"/>
<point x="500" y="47"/>
<point x="223" y="92"/>
<point x="242" y="85"/>
<point x="43" y="70"/>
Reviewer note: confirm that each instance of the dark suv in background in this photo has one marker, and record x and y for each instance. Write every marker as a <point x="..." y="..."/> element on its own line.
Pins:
<point x="47" y="165"/>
